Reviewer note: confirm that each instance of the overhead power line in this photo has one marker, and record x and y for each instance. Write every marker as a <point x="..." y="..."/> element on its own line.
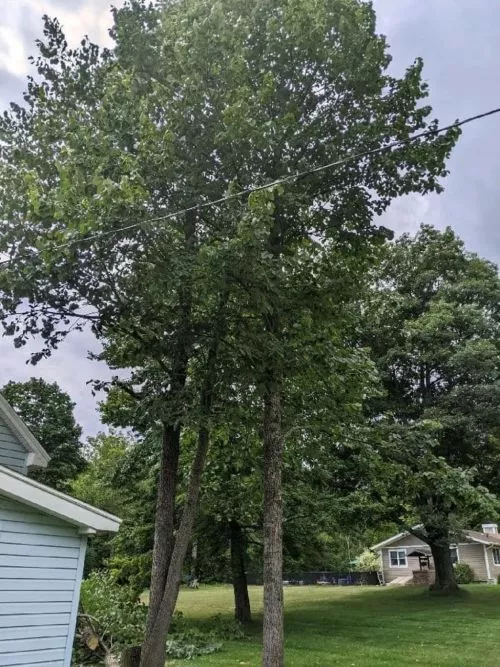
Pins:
<point x="258" y="188"/>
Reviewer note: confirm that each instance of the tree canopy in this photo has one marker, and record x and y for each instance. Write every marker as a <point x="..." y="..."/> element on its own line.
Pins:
<point x="108" y="174"/>
<point x="48" y="412"/>
<point x="433" y="328"/>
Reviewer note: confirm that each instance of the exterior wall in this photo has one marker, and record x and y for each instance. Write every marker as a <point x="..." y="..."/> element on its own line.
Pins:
<point x="41" y="564"/>
<point x="408" y="542"/>
<point x="473" y="554"/>
<point x="12" y="453"/>
<point x="494" y="569"/>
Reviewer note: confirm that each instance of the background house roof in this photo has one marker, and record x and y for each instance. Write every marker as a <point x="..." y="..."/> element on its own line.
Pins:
<point x="37" y="456"/>
<point x="473" y="535"/>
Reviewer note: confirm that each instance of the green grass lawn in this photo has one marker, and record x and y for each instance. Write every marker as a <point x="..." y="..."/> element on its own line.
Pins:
<point x="363" y="627"/>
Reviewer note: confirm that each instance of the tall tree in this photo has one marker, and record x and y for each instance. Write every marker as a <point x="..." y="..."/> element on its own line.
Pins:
<point x="197" y="101"/>
<point x="48" y="413"/>
<point x="434" y="333"/>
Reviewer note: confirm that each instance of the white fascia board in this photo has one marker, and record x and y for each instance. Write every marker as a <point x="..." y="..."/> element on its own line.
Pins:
<point x="476" y="539"/>
<point x="37" y="456"/>
<point x="388" y="541"/>
<point x="28" y="492"/>
<point x="392" y="539"/>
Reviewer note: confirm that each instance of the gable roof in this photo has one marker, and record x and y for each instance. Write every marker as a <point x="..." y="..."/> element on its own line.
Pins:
<point x="392" y="539"/>
<point x="472" y="535"/>
<point x="37" y="456"/>
<point x="28" y="492"/>
<point x="483" y="538"/>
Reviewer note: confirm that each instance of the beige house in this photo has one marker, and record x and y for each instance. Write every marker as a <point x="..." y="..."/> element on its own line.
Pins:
<point x="401" y="555"/>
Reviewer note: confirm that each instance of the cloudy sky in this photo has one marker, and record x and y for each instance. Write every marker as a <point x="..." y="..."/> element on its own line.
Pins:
<point x="459" y="41"/>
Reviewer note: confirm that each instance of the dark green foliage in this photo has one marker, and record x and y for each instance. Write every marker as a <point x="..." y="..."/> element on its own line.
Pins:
<point x="464" y="573"/>
<point x="121" y="478"/>
<point x="114" y="614"/>
<point x="432" y="324"/>
<point x="48" y="412"/>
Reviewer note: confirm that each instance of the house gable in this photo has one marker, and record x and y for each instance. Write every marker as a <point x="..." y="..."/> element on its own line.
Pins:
<point x="19" y="449"/>
<point x="406" y="540"/>
<point x="12" y="454"/>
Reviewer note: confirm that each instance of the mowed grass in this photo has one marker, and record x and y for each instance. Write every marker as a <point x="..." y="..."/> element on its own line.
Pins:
<point x="363" y="626"/>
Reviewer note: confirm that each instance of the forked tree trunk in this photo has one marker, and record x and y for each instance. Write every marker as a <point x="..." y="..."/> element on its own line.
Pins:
<point x="167" y="486"/>
<point x="153" y="649"/>
<point x="273" y="631"/>
<point x="242" y="610"/>
<point x="164" y="520"/>
<point x="445" y="582"/>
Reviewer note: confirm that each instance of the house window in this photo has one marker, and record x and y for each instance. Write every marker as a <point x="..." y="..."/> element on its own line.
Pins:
<point x="454" y="554"/>
<point x="496" y="556"/>
<point x="397" y="557"/>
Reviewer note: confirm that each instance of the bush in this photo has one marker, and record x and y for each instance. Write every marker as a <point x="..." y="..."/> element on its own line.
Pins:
<point x="368" y="561"/>
<point x="464" y="573"/>
<point x="111" y="618"/>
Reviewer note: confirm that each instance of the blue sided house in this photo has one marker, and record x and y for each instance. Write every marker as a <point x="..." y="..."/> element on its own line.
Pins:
<point x="43" y="538"/>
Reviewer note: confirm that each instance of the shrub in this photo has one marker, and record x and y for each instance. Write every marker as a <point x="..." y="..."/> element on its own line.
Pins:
<point x="464" y="573"/>
<point x="368" y="561"/>
<point x="111" y="618"/>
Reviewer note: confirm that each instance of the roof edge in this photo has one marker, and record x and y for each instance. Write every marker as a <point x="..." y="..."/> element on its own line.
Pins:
<point x="29" y="492"/>
<point x="40" y="458"/>
<point x="392" y="539"/>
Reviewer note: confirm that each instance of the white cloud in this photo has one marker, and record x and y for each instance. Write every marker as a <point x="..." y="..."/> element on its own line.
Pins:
<point x="460" y="44"/>
<point x="68" y="366"/>
<point x="22" y="24"/>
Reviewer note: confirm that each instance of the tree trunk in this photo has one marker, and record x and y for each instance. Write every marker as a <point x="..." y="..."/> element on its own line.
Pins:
<point x="273" y="631"/>
<point x="194" y="560"/>
<point x="131" y="657"/>
<point x="167" y="486"/>
<point x="445" y="574"/>
<point x="164" y="520"/>
<point x="242" y="610"/>
<point x="153" y="650"/>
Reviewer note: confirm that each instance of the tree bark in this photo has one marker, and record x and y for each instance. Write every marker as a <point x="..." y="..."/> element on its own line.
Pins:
<point x="164" y="520"/>
<point x="131" y="657"/>
<point x="242" y="610"/>
<point x="273" y="631"/>
<point x="445" y="582"/>
<point x="153" y="650"/>
<point x="164" y="542"/>
<point x="194" y="560"/>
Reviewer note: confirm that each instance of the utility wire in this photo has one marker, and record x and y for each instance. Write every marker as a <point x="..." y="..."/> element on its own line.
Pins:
<point x="280" y="181"/>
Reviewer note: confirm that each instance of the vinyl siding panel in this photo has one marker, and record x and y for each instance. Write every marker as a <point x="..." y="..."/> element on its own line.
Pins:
<point x="12" y="453"/>
<point x="41" y="562"/>
<point x="407" y="541"/>
<point x="494" y="569"/>
<point x="391" y="573"/>
<point x="473" y="554"/>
